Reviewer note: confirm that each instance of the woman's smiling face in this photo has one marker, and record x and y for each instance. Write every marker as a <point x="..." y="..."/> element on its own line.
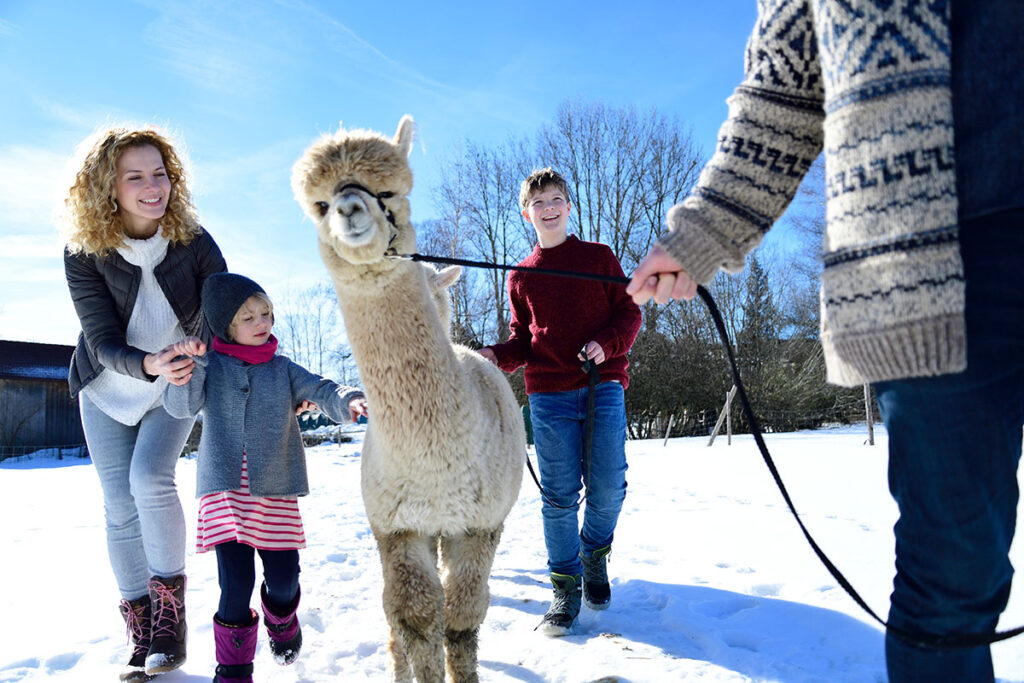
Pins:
<point x="142" y="190"/>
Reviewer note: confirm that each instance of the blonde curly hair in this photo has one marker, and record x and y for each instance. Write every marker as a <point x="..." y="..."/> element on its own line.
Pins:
<point x="92" y="220"/>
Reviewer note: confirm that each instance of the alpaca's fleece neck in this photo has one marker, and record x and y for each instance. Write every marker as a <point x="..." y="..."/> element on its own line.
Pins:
<point x="445" y="447"/>
<point x="406" y="363"/>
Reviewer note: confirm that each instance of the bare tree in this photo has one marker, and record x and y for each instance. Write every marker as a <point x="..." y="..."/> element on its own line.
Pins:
<point x="309" y="329"/>
<point x="625" y="171"/>
<point x="479" y="199"/>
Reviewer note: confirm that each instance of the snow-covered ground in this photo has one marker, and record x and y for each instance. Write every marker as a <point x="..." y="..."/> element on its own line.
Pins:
<point x="712" y="579"/>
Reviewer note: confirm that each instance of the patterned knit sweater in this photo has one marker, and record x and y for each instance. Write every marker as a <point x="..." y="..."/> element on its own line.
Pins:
<point x="869" y="82"/>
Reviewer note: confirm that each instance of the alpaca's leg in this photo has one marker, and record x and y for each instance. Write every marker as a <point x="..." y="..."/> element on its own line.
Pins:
<point x="466" y="561"/>
<point x="413" y="604"/>
<point x="401" y="672"/>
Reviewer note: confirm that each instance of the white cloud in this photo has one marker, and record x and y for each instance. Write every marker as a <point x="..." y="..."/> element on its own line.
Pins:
<point x="17" y="248"/>
<point x="30" y="185"/>
<point x="219" y="47"/>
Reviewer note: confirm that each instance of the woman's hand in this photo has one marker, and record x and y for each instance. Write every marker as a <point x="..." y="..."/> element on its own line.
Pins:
<point x="175" y="361"/>
<point x="487" y="353"/>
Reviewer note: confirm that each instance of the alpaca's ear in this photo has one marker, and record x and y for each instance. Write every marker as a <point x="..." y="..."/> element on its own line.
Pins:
<point x="444" y="279"/>
<point x="405" y="134"/>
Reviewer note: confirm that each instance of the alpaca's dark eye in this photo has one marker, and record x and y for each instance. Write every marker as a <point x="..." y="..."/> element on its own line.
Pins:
<point x="321" y="208"/>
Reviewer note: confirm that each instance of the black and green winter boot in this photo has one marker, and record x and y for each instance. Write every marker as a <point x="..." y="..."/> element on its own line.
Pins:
<point x="597" y="593"/>
<point x="565" y="605"/>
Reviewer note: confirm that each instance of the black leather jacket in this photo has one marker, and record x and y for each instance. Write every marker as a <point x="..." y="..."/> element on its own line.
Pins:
<point x="103" y="290"/>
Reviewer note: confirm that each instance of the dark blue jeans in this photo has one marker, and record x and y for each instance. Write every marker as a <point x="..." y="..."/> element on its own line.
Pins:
<point x="954" y="447"/>
<point x="558" y="423"/>
<point x="236" y="571"/>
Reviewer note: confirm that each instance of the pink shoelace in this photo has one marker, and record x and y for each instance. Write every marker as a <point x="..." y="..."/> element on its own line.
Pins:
<point x="164" y="601"/>
<point x="133" y="625"/>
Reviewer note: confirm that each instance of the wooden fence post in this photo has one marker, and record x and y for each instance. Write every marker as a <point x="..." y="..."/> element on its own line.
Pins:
<point x="728" y="415"/>
<point x="722" y="416"/>
<point x="869" y="414"/>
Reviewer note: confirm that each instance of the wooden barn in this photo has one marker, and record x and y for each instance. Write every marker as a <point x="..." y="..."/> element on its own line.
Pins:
<point x="36" y="409"/>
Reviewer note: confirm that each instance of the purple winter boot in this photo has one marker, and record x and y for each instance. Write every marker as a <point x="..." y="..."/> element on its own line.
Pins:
<point x="282" y="627"/>
<point x="235" y="649"/>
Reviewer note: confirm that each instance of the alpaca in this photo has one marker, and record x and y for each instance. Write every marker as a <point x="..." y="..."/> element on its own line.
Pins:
<point x="443" y="456"/>
<point x="439" y="282"/>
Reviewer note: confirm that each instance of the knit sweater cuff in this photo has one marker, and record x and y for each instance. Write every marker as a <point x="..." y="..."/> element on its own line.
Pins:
<point x="920" y="349"/>
<point x="690" y="243"/>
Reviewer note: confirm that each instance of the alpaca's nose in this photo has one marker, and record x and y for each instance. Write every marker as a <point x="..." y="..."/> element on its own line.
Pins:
<point x="350" y="204"/>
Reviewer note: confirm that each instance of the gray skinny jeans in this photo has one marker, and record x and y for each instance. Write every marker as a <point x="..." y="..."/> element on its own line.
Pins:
<point x="144" y="520"/>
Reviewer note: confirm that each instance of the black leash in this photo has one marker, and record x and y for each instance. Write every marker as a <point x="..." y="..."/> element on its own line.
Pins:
<point x="954" y="642"/>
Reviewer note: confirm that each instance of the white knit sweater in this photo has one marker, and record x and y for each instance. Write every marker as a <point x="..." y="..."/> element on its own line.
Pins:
<point x="153" y="326"/>
<point x="869" y="82"/>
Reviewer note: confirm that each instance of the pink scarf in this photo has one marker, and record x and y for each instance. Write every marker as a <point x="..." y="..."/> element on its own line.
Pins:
<point x="248" y="354"/>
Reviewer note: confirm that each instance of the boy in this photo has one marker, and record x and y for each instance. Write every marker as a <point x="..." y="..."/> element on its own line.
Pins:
<point x="556" y="324"/>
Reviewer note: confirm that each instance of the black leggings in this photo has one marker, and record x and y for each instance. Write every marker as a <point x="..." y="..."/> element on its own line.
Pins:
<point x="236" y="570"/>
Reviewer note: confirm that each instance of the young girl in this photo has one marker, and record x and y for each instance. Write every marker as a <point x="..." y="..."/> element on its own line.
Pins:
<point x="135" y="261"/>
<point x="251" y="466"/>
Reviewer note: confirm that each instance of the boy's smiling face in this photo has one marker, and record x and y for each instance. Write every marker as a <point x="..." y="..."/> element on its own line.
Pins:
<point x="548" y="212"/>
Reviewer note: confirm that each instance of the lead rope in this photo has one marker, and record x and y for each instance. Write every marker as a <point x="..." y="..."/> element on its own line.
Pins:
<point x="954" y="642"/>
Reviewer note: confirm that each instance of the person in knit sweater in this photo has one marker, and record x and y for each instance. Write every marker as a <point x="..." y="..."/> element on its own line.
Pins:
<point x="251" y="466"/>
<point x="557" y="324"/>
<point x="135" y="260"/>
<point x="917" y="108"/>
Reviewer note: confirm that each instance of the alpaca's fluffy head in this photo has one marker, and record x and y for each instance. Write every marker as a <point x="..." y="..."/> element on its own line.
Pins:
<point x="338" y="181"/>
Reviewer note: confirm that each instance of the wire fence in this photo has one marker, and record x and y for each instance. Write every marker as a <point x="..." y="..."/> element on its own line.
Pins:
<point x="52" y="452"/>
<point x="702" y="423"/>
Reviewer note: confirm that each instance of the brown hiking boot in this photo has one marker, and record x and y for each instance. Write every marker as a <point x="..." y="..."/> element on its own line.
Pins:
<point x="136" y="615"/>
<point x="167" y="646"/>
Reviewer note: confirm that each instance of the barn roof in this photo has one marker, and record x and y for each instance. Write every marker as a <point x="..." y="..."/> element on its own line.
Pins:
<point x="29" y="360"/>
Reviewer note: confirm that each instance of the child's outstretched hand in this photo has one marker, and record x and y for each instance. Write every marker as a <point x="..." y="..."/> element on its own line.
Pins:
<point x="306" y="406"/>
<point x="357" y="407"/>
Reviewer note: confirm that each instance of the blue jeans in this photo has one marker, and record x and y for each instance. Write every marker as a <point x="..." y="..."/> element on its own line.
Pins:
<point x="954" y="447"/>
<point x="144" y="520"/>
<point x="559" y="420"/>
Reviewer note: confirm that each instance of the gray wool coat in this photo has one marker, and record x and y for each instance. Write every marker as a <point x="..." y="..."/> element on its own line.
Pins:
<point x="251" y="407"/>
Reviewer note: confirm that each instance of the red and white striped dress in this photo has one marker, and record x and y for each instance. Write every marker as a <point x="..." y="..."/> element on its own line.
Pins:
<point x="263" y="523"/>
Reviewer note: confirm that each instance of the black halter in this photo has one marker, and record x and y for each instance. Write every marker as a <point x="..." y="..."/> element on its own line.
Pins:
<point x="379" y="196"/>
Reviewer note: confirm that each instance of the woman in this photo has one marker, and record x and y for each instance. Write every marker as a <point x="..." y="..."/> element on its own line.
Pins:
<point x="136" y="259"/>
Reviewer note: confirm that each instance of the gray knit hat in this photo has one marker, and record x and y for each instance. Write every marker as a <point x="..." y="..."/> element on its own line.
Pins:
<point x="223" y="294"/>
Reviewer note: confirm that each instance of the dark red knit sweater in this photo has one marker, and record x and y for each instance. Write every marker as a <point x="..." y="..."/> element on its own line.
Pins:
<point x="554" y="317"/>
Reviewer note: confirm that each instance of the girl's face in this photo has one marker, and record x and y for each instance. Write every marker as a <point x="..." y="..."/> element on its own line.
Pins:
<point x="142" y="190"/>
<point x="252" y="323"/>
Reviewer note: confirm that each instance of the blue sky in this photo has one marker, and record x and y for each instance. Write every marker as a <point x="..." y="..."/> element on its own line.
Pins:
<point x="247" y="86"/>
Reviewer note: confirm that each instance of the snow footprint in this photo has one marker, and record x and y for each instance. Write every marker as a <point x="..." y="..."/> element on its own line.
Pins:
<point x="739" y="640"/>
<point x="767" y="590"/>
<point x="723" y="609"/>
